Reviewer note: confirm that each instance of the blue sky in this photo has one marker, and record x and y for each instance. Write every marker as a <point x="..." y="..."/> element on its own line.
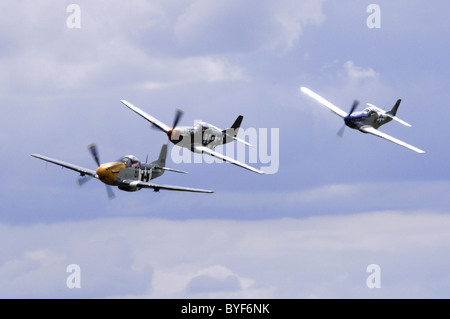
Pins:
<point x="334" y="206"/>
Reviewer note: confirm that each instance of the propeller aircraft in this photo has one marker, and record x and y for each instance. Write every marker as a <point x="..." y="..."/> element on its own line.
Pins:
<point x="200" y="138"/>
<point x="366" y="121"/>
<point x="128" y="173"/>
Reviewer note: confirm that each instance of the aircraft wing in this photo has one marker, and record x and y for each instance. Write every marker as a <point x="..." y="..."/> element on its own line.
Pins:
<point x="83" y="171"/>
<point x="324" y="102"/>
<point x="147" y="116"/>
<point x="157" y="187"/>
<point x="371" y="130"/>
<point x="208" y="151"/>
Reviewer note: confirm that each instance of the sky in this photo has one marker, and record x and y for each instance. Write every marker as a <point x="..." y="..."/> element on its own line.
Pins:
<point x="329" y="207"/>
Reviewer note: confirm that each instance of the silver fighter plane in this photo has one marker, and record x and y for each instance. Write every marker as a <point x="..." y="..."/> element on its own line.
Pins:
<point x="200" y="138"/>
<point x="128" y="173"/>
<point x="366" y="121"/>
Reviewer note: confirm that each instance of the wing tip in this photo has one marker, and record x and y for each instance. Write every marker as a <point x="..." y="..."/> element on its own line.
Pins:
<point x="304" y="89"/>
<point x="128" y="104"/>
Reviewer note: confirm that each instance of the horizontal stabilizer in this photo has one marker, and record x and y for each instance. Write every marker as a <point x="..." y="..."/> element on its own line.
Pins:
<point x="401" y="121"/>
<point x="242" y="141"/>
<point x="237" y="139"/>
<point x="390" y="115"/>
<point x="172" y="170"/>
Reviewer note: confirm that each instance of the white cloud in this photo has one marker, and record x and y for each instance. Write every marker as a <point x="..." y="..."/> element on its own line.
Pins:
<point x="193" y="70"/>
<point x="46" y="57"/>
<point x="333" y="199"/>
<point x="324" y="257"/>
<point x="354" y="71"/>
<point x="214" y="281"/>
<point x="110" y="48"/>
<point x="293" y="16"/>
<point x="236" y="26"/>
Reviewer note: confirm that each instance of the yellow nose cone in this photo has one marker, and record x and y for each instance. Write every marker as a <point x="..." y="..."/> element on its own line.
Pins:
<point x="108" y="172"/>
<point x="102" y="173"/>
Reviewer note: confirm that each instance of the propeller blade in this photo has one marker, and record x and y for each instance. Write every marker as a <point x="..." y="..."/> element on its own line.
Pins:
<point x="83" y="179"/>
<point x="340" y="133"/>
<point x="177" y="118"/>
<point x="93" y="149"/>
<point x="154" y="127"/>
<point x="110" y="192"/>
<point x="354" y="106"/>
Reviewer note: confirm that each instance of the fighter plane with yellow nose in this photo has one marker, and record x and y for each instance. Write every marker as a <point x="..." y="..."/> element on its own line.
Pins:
<point x="128" y="173"/>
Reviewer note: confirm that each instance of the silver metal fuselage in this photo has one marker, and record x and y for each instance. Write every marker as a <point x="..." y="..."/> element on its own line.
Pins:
<point x="201" y="133"/>
<point x="128" y="168"/>
<point x="144" y="173"/>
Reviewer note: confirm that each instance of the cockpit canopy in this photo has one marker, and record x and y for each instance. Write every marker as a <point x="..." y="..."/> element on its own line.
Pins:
<point x="130" y="161"/>
<point x="201" y="125"/>
<point x="369" y="110"/>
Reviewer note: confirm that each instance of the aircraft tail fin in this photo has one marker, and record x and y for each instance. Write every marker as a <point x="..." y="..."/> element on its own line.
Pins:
<point x="161" y="161"/>
<point x="393" y="112"/>
<point x="236" y="125"/>
<point x="232" y="132"/>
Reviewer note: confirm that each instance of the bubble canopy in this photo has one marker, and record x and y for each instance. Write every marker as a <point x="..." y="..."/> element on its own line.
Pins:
<point x="130" y="161"/>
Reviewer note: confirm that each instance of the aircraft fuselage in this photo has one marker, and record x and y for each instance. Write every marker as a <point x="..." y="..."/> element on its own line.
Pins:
<point x="201" y="133"/>
<point x="127" y="169"/>
<point x="368" y="117"/>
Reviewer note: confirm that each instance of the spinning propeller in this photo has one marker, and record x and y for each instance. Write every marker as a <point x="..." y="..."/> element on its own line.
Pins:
<point x="82" y="180"/>
<point x="340" y="133"/>
<point x="176" y="119"/>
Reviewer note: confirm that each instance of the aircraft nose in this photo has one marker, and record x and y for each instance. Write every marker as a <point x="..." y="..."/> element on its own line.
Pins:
<point x="349" y="121"/>
<point x="175" y="135"/>
<point x="108" y="172"/>
<point x="102" y="172"/>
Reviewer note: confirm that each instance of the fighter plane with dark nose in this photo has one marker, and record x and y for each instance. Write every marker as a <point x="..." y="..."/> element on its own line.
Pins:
<point x="201" y="138"/>
<point x="366" y="121"/>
